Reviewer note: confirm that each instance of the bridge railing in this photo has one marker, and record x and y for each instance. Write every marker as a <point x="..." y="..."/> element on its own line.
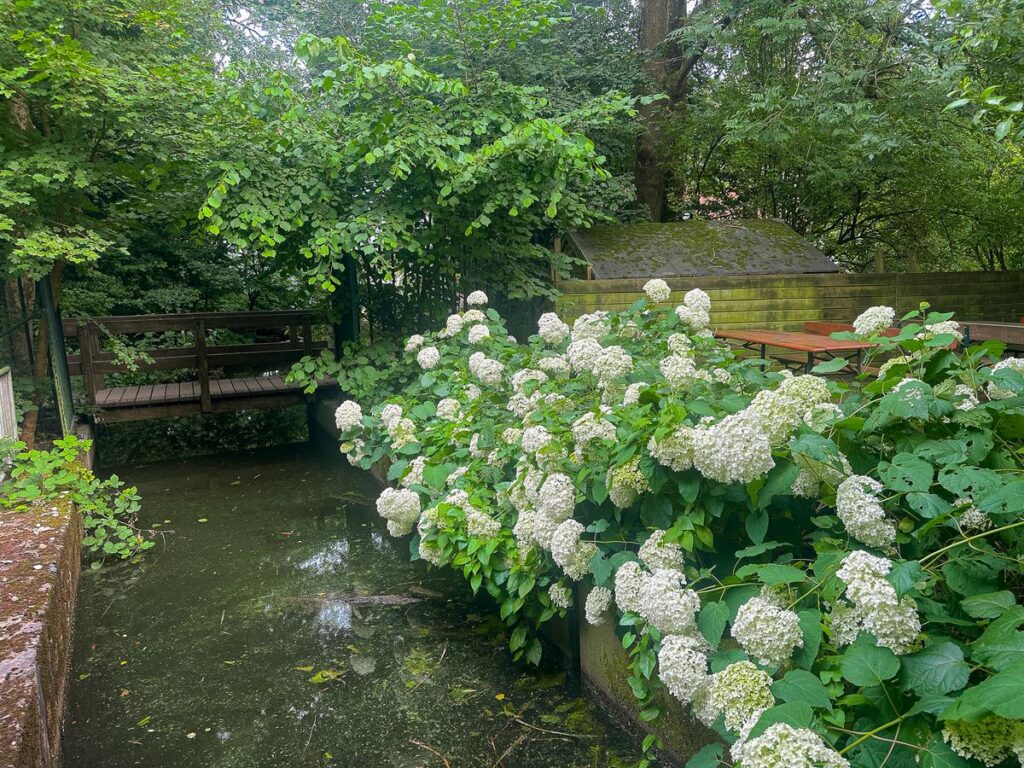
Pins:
<point x="8" y="417"/>
<point x="94" y="363"/>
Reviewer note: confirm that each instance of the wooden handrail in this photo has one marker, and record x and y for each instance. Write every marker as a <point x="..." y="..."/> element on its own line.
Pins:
<point x="185" y="321"/>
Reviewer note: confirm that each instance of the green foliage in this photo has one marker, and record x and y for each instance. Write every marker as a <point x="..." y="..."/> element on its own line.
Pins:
<point x="108" y="508"/>
<point x="364" y="370"/>
<point x="936" y="428"/>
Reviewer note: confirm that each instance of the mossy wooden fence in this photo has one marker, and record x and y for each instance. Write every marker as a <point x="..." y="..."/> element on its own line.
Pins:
<point x="787" y="301"/>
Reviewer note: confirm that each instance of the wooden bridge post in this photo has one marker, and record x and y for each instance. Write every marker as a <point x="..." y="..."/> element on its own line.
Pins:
<point x="206" y="402"/>
<point x="85" y="343"/>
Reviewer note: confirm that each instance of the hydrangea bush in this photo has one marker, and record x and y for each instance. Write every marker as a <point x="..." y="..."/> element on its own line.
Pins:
<point x="826" y="572"/>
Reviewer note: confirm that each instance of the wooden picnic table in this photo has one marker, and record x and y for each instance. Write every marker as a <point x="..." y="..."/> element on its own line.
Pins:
<point x="1012" y="334"/>
<point x="813" y="345"/>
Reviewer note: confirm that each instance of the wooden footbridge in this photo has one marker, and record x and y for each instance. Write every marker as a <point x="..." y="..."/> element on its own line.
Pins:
<point x="207" y="371"/>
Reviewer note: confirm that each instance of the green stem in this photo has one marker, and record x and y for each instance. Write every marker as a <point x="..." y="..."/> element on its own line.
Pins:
<point x="871" y="733"/>
<point x="955" y="544"/>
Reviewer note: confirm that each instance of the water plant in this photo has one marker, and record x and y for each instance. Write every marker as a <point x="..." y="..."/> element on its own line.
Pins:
<point x="826" y="571"/>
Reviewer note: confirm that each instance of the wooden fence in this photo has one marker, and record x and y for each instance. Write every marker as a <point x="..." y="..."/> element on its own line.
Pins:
<point x="785" y="302"/>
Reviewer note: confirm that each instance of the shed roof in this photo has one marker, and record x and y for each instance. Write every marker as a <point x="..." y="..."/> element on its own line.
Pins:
<point x="698" y="247"/>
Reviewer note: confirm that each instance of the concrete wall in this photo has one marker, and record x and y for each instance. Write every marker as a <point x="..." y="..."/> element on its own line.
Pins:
<point x="40" y="562"/>
<point x="785" y="302"/>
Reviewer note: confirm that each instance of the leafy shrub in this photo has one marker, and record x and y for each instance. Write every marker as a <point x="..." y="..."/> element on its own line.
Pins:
<point x="107" y="507"/>
<point x="363" y="370"/>
<point x="827" y="571"/>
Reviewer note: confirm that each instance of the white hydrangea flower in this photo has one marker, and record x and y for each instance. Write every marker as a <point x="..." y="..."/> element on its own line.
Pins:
<point x="473" y="316"/>
<point x="599" y="600"/>
<point x="477" y="299"/>
<point x="479" y="333"/>
<point x="895" y="626"/>
<point x="428" y="358"/>
<point x="557" y="365"/>
<point x="1013" y="363"/>
<point x="894" y="622"/>
<point x="520" y="378"/>
<point x="557" y="497"/>
<point x="590" y="427"/>
<point x="455" y="475"/>
<point x="864" y="575"/>
<point x="674" y="451"/>
<point x="402" y="432"/>
<point x="474" y="446"/>
<point x="561" y="596"/>
<point x="767" y="631"/>
<point x="844" y="623"/>
<point x="511" y="435"/>
<point x="658" y="554"/>
<point x="349" y="415"/>
<point x="355" y="451"/>
<point x="680" y="371"/>
<point x="657" y="291"/>
<point x="582" y="354"/>
<point x="535" y="438"/>
<point x="683" y="666"/>
<point x="448" y="409"/>
<point x="389" y="414"/>
<point x="522" y="405"/>
<point x="610" y="364"/>
<point x="694" y="319"/>
<point x="414" y="475"/>
<point x="735" y="450"/>
<point x="626" y="484"/>
<point x="490" y="372"/>
<point x="632" y="394"/>
<point x="861" y="512"/>
<point x="592" y="326"/>
<point x="679" y="344"/>
<point x="534" y="527"/>
<point x="697" y="299"/>
<point x="480" y="524"/>
<point x="453" y="325"/>
<point x="570" y="552"/>
<point x="971" y="518"/>
<point x="783" y="745"/>
<point x="401" y="508"/>
<point x="874" y="319"/>
<point x="952" y="327"/>
<point x="781" y="410"/>
<point x="966" y="397"/>
<point x="741" y="692"/>
<point x="431" y="552"/>
<point x="551" y="328"/>
<point x="667" y="604"/>
<point x="413" y="343"/>
<point x="989" y="740"/>
<point x="629" y="580"/>
<point x="472" y="392"/>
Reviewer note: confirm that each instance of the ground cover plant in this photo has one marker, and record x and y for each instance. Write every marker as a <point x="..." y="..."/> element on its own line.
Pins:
<point x="827" y="572"/>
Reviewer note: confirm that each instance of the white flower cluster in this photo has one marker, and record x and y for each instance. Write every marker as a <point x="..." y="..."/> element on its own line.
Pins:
<point x="966" y="398"/>
<point x="861" y="512"/>
<point x="561" y="596"/>
<point x="874" y="319"/>
<point x="767" y="631"/>
<point x="453" y="326"/>
<point x="735" y="450"/>
<point x="588" y="428"/>
<point x="592" y="326"/>
<point x="583" y="354"/>
<point x="626" y="484"/>
<point x="952" y="327"/>
<point x="520" y="378"/>
<point x="487" y="370"/>
<point x="402" y="431"/>
<point x="657" y="291"/>
<point x="681" y="372"/>
<point x="428" y="358"/>
<point x="349" y="415"/>
<point x="876" y="607"/>
<point x="551" y="328"/>
<point x="781" y="410"/>
<point x="479" y="523"/>
<point x="783" y="745"/>
<point x="675" y="450"/>
<point x="599" y="600"/>
<point x="1013" y="363"/>
<point x="355" y="451"/>
<point x="401" y="508"/>
<point x="473" y="316"/>
<point x="535" y="438"/>
<point x="556" y="365"/>
<point x="414" y="475"/>
<point x="522" y="405"/>
<point x="683" y="666"/>
<point x="477" y="299"/>
<point x="632" y="393"/>
<point x="413" y="343"/>
<point x="971" y="518"/>
<point x="989" y="740"/>
<point x="679" y="344"/>
<point x="629" y="578"/>
<point x="542" y="503"/>
<point x="610" y="364"/>
<point x="479" y="333"/>
<point x="448" y="409"/>
<point x="814" y="472"/>
<point x="666" y="604"/>
<point x="740" y="692"/>
<point x="570" y="552"/>
<point x="695" y="310"/>
<point x="656" y="553"/>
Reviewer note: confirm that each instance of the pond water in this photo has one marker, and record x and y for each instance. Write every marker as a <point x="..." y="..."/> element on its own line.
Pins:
<point x="276" y="624"/>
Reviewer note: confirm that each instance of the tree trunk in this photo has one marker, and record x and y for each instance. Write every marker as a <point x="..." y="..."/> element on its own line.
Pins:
<point x="655" y="19"/>
<point x="39" y="370"/>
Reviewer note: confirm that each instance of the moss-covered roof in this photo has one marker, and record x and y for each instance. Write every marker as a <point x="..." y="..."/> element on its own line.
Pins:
<point x="698" y="247"/>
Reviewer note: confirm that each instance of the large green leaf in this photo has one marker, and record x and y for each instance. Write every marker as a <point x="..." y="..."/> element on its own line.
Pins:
<point x="906" y="472"/>
<point x="1002" y="695"/>
<point x="865" y="663"/>
<point x="810" y="625"/>
<point x="938" y="668"/>
<point x="990" y="605"/>
<point x="712" y="620"/>
<point x="800" y="685"/>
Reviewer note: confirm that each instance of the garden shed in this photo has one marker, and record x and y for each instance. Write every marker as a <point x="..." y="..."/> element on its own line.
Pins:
<point x="697" y="247"/>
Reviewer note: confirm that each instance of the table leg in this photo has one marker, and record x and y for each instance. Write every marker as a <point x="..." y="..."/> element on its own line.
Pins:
<point x="764" y="349"/>
<point x="810" y="362"/>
